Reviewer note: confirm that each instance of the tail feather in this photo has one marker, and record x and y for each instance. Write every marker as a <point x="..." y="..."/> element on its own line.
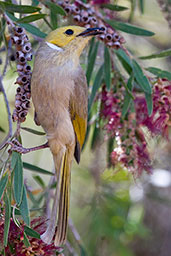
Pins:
<point x="61" y="202"/>
<point x="63" y="210"/>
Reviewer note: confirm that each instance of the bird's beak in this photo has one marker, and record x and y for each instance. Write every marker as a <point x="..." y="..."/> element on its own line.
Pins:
<point x="91" y="32"/>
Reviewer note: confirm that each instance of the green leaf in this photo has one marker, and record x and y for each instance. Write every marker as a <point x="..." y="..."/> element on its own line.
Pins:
<point x="107" y="68"/>
<point x="91" y="62"/>
<point x="7" y="218"/>
<point x="18" y="8"/>
<point x="127" y="98"/>
<point x="18" y="180"/>
<point x="53" y="19"/>
<point x="14" y="159"/>
<point x="31" y="18"/>
<point x="96" y="86"/>
<point x="82" y="251"/>
<point x="141" y="6"/>
<point x="33" y="131"/>
<point x="24" y="210"/>
<point x="159" y="73"/>
<point x="30" y="232"/>
<point x="149" y="102"/>
<point x="130" y="29"/>
<point x="165" y="53"/>
<point x="2" y="130"/>
<point x="124" y="59"/>
<point x="30" y="28"/>
<point x="39" y="180"/>
<point x="56" y="8"/>
<point x="33" y="30"/>
<point x="141" y="78"/>
<point x="26" y="241"/>
<point x="114" y="7"/>
<point x="95" y="137"/>
<point x="35" y="168"/>
<point x="3" y="183"/>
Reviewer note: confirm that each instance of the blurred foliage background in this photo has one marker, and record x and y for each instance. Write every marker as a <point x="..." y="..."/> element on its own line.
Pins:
<point x="111" y="212"/>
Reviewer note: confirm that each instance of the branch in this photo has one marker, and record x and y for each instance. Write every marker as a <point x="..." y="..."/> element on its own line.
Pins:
<point x="9" y="135"/>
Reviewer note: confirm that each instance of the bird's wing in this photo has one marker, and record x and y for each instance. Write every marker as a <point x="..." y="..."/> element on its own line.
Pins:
<point x="78" y="111"/>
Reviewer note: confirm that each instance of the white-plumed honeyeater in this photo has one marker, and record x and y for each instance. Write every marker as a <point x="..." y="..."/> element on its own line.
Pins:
<point x="59" y="93"/>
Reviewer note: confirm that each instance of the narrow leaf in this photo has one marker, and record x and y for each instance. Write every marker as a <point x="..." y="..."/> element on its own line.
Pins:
<point x="130" y="29"/>
<point x="149" y="102"/>
<point x="30" y="28"/>
<point x="33" y="30"/>
<point x="141" y="6"/>
<point x="53" y="19"/>
<point x="56" y="8"/>
<point x="18" y="8"/>
<point x="125" y="60"/>
<point x="24" y="210"/>
<point x="26" y="241"/>
<point x="35" y="168"/>
<point x="3" y="183"/>
<point x="141" y="78"/>
<point x="39" y="180"/>
<point x="2" y="130"/>
<point x="166" y="53"/>
<point x="33" y="131"/>
<point x="96" y="86"/>
<point x="107" y="68"/>
<point x="7" y="218"/>
<point x="31" y="18"/>
<point x="160" y="73"/>
<point x="30" y="232"/>
<point x="91" y="62"/>
<point x="127" y="98"/>
<point x="114" y="7"/>
<point x="18" y="180"/>
<point x="14" y="159"/>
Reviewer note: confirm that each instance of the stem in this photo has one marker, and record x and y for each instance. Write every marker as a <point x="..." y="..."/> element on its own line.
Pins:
<point x="9" y="135"/>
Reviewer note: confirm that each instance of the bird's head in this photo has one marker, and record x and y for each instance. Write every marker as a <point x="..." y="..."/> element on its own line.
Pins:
<point x="73" y="38"/>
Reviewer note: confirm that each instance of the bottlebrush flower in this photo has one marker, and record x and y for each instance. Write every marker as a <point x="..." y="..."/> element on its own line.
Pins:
<point x="130" y="144"/>
<point x="160" y="120"/>
<point x="16" y="236"/>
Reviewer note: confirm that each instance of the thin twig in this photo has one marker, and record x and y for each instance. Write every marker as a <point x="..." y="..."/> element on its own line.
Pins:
<point x="8" y="20"/>
<point x="9" y="135"/>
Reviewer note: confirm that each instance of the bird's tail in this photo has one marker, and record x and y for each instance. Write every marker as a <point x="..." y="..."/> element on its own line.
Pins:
<point x="61" y="201"/>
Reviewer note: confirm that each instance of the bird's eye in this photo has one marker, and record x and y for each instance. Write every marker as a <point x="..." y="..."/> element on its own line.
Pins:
<point x="69" y="32"/>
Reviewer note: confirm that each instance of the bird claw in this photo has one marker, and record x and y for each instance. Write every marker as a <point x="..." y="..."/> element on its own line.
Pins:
<point x="17" y="147"/>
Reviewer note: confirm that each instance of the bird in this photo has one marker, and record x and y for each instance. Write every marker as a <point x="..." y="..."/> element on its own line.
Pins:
<point x="60" y="98"/>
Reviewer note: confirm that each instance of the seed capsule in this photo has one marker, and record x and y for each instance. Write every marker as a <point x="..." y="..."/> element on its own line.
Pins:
<point x="26" y="48"/>
<point x="19" y="31"/>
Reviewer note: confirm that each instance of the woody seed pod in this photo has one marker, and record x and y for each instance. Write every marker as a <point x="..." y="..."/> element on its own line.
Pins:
<point x="19" y="31"/>
<point x="26" y="48"/>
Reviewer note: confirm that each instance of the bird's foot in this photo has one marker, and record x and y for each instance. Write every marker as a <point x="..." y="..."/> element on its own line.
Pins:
<point x="16" y="146"/>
